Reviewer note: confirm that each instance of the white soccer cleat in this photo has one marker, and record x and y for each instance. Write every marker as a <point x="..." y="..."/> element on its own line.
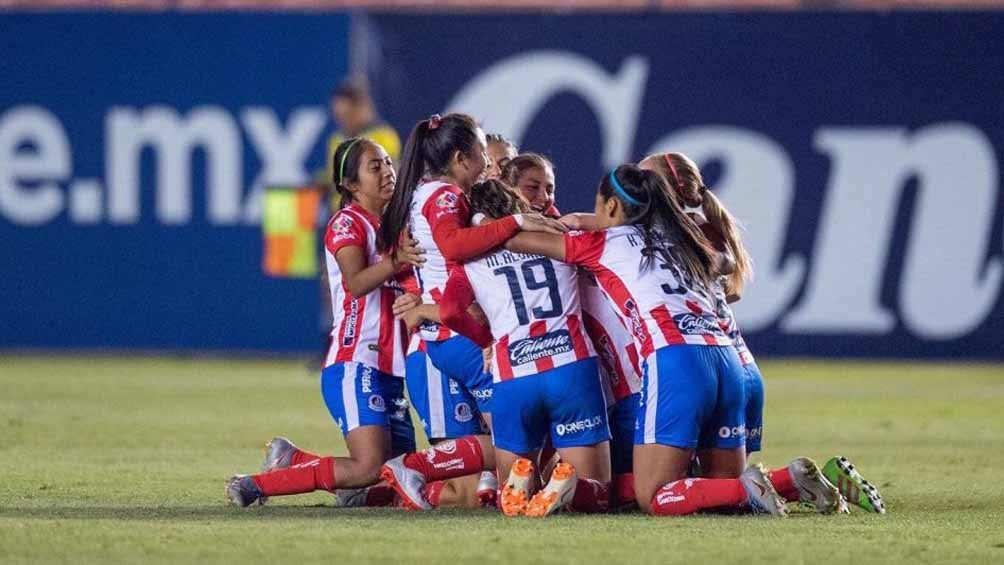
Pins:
<point x="242" y="491"/>
<point x="407" y="483"/>
<point x="488" y="489"/>
<point x="515" y="495"/>
<point x="760" y="494"/>
<point x="814" y="489"/>
<point x="557" y="494"/>
<point x="278" y="455"/>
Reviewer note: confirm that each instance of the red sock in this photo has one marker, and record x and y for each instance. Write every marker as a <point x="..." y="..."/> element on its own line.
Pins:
<point x="591" y="496"/>
<point x="433" y="491"/>
<point x="447" y="460"/>
<point x="622" y="490"/>
<point x="690" y="495"/>
<point x="781" y="479"/>
<point x="318" y="474"/>
<point x="380" y="495"/>
<point x="300" y="457"/>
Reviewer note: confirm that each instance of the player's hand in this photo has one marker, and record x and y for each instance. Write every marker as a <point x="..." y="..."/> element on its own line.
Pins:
<point x="409" y="253"/>
<point x="412" y="319"/>
<point x="404" y="303"/>
<point x="579" y="221"/>
<point x="488" y="355"/>
<point x="538" y="223"/>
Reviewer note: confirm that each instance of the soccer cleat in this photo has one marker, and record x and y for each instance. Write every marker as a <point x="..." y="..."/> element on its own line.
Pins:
<point x="515" y="494"/>
<point x="760" y="494"/>
<point x="278" y="455"/>
<point x="407" y="483"/>
<point x="853" y="486"/>
<point x="488" y="489"/>
<point x="814" y="489"/>
<point x="350" y="497"/>
<point x="242" y="491"/>
<point x="556" y="495"/>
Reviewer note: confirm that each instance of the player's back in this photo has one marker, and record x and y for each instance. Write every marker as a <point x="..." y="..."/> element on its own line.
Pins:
<point x="431" y="200"/>
<point x="532" y="304"/>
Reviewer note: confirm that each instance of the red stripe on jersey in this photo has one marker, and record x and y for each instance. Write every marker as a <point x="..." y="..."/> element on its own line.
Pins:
<point x="618" y="292"/>
<point x="710" y="339"/>
<point x="502" y="358"/>
<point x="437" y="295"/>
<point x="632" y="352"/>
<point x="385" y="343"/>
<point x="538" y="329"/>
<point x="668" y="327"/>
<point x="578" y="340"/>
<point x="346" y="351"/>
<point x="608" y="357"/>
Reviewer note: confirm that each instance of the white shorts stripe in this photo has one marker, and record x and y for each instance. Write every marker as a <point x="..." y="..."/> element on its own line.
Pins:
<point x="651" y="398"/>
<point x="349" y="396"/>
<point x="434" y="386"/>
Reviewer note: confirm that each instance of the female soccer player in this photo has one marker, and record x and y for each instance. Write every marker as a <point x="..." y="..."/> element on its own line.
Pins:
<point x="442" y="159"/>
<point x="362" y="382"/>
<point x="656" y="268"/>
<point x="796" y="481"/>
<point x="500" y="152"/>
<point x="545" y="371"/>
<point x="532" y="175"/>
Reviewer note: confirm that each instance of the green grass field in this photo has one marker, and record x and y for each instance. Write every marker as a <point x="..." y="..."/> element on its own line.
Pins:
<point x="107" y="460"/>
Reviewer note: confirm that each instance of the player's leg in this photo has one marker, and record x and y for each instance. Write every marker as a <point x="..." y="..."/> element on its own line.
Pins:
<point x="518" y="433"/>
<point x="622" y="417"/>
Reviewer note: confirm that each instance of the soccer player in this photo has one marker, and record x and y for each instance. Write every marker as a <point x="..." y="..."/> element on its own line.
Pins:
<point x="443" y="157"/>
<point x="500" y="152"/>
<point x="656" y="269"/>
<point x="687" y="185"/>
<point x="362" y="382"/>
<point x="532" y="175"/>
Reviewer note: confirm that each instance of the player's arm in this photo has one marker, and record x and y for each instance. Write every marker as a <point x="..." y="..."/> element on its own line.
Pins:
<point x="361" y="279"/>
<point x="537" y="243"/>
<point x="580" y="221"/>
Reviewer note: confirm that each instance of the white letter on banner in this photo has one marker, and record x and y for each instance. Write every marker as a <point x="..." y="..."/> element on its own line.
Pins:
<point x="942" y="294"/>
<point x="173" y="139"/>
<point x="540" y="75"/>
<point x="282" y="152"/>
<point x="46" y="158"/>
<point x="757" y="185"/>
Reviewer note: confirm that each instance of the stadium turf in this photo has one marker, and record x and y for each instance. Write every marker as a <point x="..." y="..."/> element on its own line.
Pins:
<point x="105" y="460"/>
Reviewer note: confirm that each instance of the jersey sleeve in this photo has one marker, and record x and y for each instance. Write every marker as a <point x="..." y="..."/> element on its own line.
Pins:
<point x="584" y="247"/>
<point x="344" y="231"/>
<point x="449" y="216"/>
<point x="457" y="297"/>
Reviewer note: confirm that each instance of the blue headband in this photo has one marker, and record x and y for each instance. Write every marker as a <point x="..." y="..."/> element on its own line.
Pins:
<point x="620" y="190"/>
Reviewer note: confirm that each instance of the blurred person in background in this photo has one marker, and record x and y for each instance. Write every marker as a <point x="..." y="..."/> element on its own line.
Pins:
<point x="500" y="152"/>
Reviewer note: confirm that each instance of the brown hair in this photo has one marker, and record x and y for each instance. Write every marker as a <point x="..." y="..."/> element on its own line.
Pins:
<point x="496" y="199"/>
<point x="687" y="187"/>
<point x="522" y="163"/>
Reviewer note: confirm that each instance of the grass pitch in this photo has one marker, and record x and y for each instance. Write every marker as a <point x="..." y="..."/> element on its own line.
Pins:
<point x="110" y="460"/>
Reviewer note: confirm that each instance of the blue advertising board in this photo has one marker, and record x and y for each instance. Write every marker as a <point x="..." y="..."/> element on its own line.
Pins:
<point x="860" y="150"/>
<point x="132" y="150"/>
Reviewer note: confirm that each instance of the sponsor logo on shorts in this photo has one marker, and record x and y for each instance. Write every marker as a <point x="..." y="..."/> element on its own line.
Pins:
<point x="696" y="325"/>
<point x="462" y="412"/>
<point x="539" y="347"/>
<point x="482" y="394"/>
<point x="376" y="403"/>
<point x="454" y="387"/>
<point x="579" y="426"/>
<point x="754" y="433"/>
<point x="726" y="432"/>
<point x="366" y="379"/>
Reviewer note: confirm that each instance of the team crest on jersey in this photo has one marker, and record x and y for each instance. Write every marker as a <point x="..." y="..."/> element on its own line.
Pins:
<point x="697" y="325"/>
<point x="447" y="201"/>
<point x="341" y="227"/>
<point x="538" y="347"/>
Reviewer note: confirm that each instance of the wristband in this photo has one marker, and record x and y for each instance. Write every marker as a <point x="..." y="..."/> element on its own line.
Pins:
<point x="478" y="218"/>
<point x="519" y="219"/>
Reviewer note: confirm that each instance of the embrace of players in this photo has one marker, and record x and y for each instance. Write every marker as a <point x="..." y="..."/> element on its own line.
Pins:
<point x="588" y="362"/>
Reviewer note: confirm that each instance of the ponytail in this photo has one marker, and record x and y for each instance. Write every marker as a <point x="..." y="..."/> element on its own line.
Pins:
<point x="429" y="149"/>
<point x="667" y="232"/>
<point x="720" y="218"/>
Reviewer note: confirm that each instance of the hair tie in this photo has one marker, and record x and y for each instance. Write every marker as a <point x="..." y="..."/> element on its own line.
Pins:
<point x="620" y="190"/>
<point x="341" y="166"/>
<point x="676" y="177"/>
<point x="434" y="121"/>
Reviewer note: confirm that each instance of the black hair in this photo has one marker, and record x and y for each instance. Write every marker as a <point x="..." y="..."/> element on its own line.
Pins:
<point x="496" y="199"/>
<point x="429" y="150"/>
<point x="355" y="89"/>
<point x="665" y="229"/>
<point x="346" y="160"/>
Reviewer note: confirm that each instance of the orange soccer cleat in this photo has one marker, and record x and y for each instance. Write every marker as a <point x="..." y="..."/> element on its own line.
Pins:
<point x="557" y="494"/>
<point x="516" y="491"/>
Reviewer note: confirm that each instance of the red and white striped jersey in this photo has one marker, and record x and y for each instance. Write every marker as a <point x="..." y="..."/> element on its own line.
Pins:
<point x="532" y="304"/>
<point x="432" y="201"/>
<point x="364" y="329"/>
<point x="618" y="357"/>
<point x="660" y="305"/>
<point x="727" y="320"/>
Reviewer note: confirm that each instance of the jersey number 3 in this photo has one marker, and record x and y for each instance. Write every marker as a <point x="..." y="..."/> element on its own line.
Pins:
<point x="550" y="282"/>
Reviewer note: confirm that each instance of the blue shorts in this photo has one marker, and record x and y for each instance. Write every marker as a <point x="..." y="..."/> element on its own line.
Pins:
<point x="566" y="402"/>
<point x="461" y="360"/>
<point x="693" y="396"/>
<point x="754" y="407"/>
<point x="358" y="395"/>
<point x="446" y="409"/>
<point x="622" y="416"/>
